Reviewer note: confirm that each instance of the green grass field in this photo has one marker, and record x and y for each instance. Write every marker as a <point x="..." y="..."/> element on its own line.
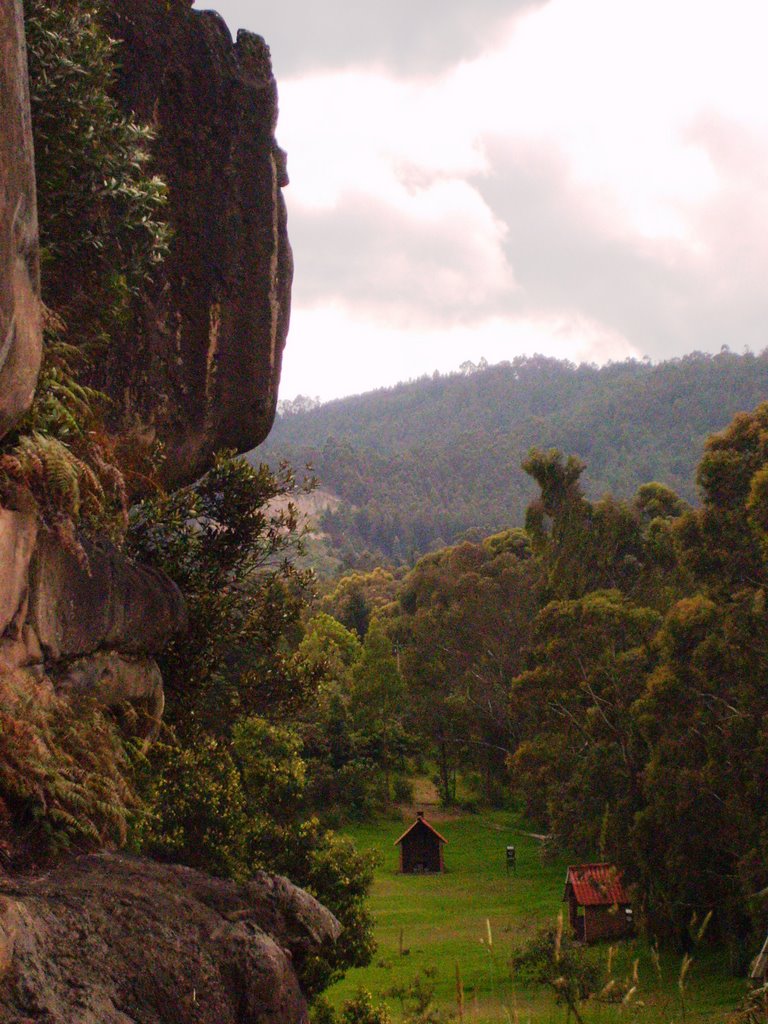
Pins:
<point x="444" y="920"/>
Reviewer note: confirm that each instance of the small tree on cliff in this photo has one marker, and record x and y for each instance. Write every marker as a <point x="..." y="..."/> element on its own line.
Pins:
<point x="226" y="541"/>
<point x="100" y="210"/>
<point x="227" y="793"/>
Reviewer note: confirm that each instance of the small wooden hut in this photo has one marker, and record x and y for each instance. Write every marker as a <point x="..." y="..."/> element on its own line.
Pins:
<point x="421" y="848"/>
<point x="598" y="904"/>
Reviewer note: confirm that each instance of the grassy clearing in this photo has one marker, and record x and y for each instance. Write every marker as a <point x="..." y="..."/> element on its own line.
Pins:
<point x="442" y="921"/>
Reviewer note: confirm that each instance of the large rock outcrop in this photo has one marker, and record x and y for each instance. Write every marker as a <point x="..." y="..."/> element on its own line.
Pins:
<point x="108" y="939"/>
<point x="201" y="365"/>
<point x="113" y="940"/>
<point x="203" y="372"/>
<point x="110" y="604"/>
<point x="20" y="332"/>
<point x="92" y="628"/>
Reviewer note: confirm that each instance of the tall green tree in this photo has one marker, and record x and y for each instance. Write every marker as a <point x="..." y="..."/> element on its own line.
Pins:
<point x="228" y="546"/>
<point x="464" y="625"/>
<point x="577" y="768"/>
<point x="644" y="709"/>
<point x="228" y="791"/>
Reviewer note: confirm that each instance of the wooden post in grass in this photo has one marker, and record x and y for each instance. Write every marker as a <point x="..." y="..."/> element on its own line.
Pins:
<point x="459" y="994"/>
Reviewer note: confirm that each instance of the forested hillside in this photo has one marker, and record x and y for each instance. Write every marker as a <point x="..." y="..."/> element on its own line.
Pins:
<point x="420" y="464"/>
<point x="605" y="666"/>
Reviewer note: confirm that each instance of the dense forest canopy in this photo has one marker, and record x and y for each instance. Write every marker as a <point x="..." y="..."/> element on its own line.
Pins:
<point x="612" y="658"/>
<point x="423" y="464"/>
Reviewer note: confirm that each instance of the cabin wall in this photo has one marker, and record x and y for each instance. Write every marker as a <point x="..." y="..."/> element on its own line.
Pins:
<point x="420" y="851"/>
<point x="606" y="923"/>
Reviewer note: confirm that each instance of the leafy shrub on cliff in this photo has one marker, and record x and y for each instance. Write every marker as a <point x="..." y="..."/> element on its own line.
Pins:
<point x="101" y="234"/>
<point x="229" y="797"/>
<point x="227" y="541"/>
<point x="193" y="808"/>
<point x="234" y="809"/>
<point x="100" y="210"/>
<point x="284" y="838"/>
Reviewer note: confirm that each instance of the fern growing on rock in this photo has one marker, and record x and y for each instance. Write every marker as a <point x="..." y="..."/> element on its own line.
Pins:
<point x="65" y="774"/>
<point x="65" y="771"/>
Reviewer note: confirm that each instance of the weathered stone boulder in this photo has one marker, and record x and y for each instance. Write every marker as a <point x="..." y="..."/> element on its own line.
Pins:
<point x="111" y="604"/>
<point x="112" y="940"/>
<point x="203" y="372"/>
<point x="18" y="533"/>
<point x="93" y="629"/>
<point x="112" y="679"/>
<point x="20" y="330"/>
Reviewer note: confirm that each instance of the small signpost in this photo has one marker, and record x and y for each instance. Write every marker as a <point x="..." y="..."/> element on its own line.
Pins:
<point x="511" y="859"/>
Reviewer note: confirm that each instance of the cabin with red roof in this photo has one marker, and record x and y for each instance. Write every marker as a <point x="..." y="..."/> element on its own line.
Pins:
<point x="421" y="848"/>
<point x="599" y="906"/>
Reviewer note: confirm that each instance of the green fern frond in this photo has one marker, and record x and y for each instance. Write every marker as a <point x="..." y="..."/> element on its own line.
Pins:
<point x="63" y="766"/>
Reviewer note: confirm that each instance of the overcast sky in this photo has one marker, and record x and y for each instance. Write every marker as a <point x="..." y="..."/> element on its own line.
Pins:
<point x="488" y="178"/>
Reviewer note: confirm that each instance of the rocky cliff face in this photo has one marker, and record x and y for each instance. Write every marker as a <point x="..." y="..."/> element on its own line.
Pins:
<point x="20" y="335"/>
<point x="112" y="940"/>
<point x="92" y="629"/>
<point x="203" y="372"/>
<point x="108" y="939"/>
<point x="201" y="367"/>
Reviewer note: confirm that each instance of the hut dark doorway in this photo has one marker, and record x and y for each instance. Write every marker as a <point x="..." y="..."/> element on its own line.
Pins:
<point x="421" y="848"/>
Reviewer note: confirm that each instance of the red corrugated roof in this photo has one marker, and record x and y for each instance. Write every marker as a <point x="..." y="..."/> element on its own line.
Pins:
<point x="596" y="885"/>
<point x="423" y="821"/>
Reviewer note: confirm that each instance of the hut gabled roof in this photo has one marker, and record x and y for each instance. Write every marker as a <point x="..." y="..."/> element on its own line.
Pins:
<point x="420" y="820"/>
<point x="596" y="885"/>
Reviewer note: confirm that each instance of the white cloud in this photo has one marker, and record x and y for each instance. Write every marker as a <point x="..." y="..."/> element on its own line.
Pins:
<point x="335" y="352"/>
<point x="418" y="38"/>
<point x="434" y="252"/>
<point x="365" y="132"/>
<point x="613" y="85"/>
<point x="592" y="182"/>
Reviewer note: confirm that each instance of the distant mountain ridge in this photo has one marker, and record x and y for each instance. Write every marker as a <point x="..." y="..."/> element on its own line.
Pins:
<point x="420" y="465"/>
